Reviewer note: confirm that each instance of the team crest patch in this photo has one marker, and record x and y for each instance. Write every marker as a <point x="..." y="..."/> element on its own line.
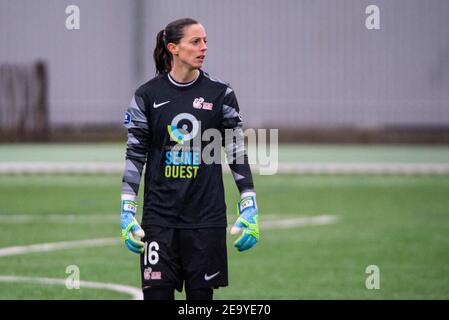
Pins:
<point x="199" y="103"/>
<point x="149" y="274"/>
<point x="127" y="119"/>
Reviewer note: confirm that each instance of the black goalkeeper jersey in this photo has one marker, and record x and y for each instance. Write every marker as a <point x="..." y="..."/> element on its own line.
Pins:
<point x="168" y="132"/>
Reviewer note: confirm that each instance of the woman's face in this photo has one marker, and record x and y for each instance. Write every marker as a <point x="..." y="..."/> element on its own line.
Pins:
<point x="191" y="49"/>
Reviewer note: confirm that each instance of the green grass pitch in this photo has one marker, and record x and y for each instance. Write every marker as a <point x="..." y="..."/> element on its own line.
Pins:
<point x="398" y="223"/>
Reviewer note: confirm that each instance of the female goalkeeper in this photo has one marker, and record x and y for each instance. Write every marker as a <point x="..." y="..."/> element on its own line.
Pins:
<point x="177" y="123"/>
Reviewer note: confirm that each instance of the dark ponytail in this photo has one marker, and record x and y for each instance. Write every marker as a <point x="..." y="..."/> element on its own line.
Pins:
<point x="172" y="33"/>
<point x="162" y="57"/>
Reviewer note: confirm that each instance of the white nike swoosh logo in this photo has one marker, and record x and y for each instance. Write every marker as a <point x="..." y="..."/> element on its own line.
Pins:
<point x="207" y="278"/>
<point x="159" y="104"/>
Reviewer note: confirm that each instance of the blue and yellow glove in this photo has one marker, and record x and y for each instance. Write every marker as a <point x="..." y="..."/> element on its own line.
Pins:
<point x="248" y="220"/>
<point x="131" y="230"/>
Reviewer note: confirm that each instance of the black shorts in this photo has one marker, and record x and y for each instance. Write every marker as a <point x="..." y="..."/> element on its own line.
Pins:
<point x="195" y="257"/>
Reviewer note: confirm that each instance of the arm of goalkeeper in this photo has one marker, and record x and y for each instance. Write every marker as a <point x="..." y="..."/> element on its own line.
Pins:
<point x="248" y="220"/>
<point x="131" y="230"/>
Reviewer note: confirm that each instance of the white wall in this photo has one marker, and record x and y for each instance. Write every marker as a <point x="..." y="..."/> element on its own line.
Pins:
<point x="291" y="62"/>
<point x="90" y="70"/>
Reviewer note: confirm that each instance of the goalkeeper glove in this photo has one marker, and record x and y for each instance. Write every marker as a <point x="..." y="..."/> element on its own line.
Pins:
<point x="248" y="220"/>
<point x="131" y="230"/>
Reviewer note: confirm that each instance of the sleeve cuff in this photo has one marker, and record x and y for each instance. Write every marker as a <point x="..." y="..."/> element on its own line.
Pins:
<point x="247" y="193"/>
<point x="131" y="197"/>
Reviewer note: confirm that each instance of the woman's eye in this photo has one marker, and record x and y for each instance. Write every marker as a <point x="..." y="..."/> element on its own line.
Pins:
<point x="197" y="41"/>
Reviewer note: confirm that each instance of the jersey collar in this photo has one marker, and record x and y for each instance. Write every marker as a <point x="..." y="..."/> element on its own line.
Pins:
<point x="182" y="85"/>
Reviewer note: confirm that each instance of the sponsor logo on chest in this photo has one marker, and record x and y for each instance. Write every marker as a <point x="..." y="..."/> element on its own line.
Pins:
<point x="199" y="103"/>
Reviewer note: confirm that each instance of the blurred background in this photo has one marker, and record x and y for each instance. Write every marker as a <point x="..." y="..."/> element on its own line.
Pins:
<point x="359" y="94"/>
<point x="309" y="68"/>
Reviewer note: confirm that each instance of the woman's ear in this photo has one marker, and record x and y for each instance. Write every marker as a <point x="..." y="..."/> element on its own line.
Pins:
<point x="172" y="48"/>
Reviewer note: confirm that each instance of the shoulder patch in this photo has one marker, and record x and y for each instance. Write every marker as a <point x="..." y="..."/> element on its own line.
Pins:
<point x="127" y="118"/>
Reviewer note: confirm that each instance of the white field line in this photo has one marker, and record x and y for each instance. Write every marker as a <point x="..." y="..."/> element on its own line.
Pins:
<point x="268" y="221"/>
<point x="60" y="167"/>
<point x="272" y="223"/>
<point x="58" y="218"/>
<point x="110" y="218"/>
<point x="136" y="293"/>
<point x="282" y="167"/>
<point x="366" y="168"/>
<point x="45" y="247"/>
<point x="297" y="222"/>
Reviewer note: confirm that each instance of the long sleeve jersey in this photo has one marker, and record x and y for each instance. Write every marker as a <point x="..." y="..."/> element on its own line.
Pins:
<point x="177" y="131"/>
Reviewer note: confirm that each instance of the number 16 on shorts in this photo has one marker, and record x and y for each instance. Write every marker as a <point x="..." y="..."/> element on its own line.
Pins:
<point x="151" y="255"/>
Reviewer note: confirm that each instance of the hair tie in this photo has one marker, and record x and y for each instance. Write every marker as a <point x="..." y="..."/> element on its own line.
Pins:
<point x="164" y="37"/>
